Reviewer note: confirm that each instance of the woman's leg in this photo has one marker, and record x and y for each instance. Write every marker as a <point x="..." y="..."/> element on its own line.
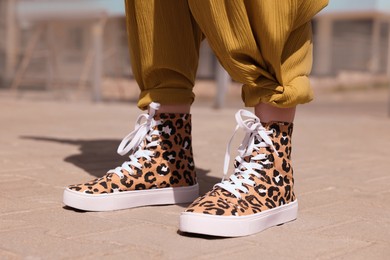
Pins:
<point x="269" y="113"/>
<point x="164" y="45"/>
<point x="266" y="45"/>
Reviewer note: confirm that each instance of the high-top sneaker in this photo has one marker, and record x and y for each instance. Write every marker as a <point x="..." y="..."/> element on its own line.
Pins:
<point x="160" y="170"/>
<point x="259" y="194"/>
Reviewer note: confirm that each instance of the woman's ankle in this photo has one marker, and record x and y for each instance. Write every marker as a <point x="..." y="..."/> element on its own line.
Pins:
<point x="175" y="109"/>
<point x="268" y="113"/>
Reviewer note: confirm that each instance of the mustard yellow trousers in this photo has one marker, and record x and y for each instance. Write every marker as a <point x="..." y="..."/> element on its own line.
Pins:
<point x="264" y="44"/>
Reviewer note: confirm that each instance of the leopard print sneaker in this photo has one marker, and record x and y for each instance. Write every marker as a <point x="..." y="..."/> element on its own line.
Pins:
<point x="259" y="194"/>
<point x="160" y="169"/>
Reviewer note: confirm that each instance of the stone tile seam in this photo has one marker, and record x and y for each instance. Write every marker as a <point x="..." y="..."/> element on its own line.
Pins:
<point x="341" y="254"/>
<point x="122" y="229"/>
<point x="312" y="209"/>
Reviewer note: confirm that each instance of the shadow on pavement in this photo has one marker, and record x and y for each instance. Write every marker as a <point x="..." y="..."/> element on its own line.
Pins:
<point x="200" y="236"/>
<point x="96" y="157"/>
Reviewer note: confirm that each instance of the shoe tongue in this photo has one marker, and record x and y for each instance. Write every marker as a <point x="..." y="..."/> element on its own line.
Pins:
<point x="279" y="127"/>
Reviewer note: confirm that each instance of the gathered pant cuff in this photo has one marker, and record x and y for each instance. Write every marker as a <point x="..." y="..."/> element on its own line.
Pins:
<point x="298" y="91"/>
<point x="172" y="96"/>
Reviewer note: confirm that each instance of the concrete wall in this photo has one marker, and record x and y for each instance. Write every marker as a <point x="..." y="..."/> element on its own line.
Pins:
<point x="3" y="8"/>
<point x="351" y="47"/>
<point x="358" y="44"/>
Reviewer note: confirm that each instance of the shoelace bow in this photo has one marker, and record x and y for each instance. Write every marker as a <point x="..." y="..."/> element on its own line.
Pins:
<point x="256" y="137"/>
<point x="133" y="142"/>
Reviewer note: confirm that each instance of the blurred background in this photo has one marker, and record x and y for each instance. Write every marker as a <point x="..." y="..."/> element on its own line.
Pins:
<point x="78" y="49"/>
<point x="67" y="96"/>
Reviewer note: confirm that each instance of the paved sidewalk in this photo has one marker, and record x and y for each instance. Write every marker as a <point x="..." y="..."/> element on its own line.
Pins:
<point x="341" y="157"/>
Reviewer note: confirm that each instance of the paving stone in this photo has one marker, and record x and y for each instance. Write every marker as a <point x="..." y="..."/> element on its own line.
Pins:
<point x="374" y="251"/>
<point x="340" y="158"/>
<point x="37" y="243"/>
<point x="6" y="255"/>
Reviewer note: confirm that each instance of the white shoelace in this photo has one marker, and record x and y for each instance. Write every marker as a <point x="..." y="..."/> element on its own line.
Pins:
<point x="133" y="143"/>
<point x="256" y="137"/>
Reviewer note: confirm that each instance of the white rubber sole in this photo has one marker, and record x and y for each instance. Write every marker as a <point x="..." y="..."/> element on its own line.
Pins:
<point x="232" y="226"/>
<point x="130" y="199"/>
